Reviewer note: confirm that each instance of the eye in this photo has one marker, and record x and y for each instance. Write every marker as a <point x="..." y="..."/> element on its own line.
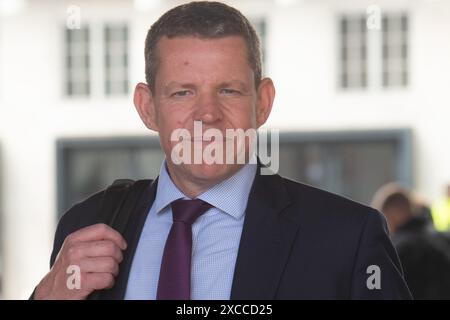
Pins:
<point x="182" y="93"/>
<point x="229" y="91"/>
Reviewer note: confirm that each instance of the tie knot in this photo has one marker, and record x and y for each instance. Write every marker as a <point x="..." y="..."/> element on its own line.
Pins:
<point x="188" y="211"/>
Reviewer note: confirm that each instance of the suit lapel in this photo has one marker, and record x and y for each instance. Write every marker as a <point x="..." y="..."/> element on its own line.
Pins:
<point x="132" y="235"/>
<point x="266" y="240"/>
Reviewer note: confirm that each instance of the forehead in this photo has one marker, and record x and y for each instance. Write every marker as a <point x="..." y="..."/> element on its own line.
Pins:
<point x="198" y="59"/>
<point x="200" y="49"/>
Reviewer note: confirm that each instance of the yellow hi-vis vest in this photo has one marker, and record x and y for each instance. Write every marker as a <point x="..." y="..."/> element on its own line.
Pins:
<point x="441" y="214"/>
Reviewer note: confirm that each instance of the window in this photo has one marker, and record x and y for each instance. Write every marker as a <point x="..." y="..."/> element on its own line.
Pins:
<point x="395" y="50"/>
<point x="384" y="53"/>
<point x="86" y="166"/>
<point x="353" y="164"/>
<point x="353" y="52"/>
<point x="97" y="61"/>
<point x="116" y="59"/>
<point x="77" y="62"/>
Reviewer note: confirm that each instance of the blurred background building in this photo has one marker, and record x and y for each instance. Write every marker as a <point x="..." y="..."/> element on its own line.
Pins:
<point x="362" y="99"/>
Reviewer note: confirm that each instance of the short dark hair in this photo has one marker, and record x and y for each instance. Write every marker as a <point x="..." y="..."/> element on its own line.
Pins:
<point x="397" y="199"/>
<point x="392" y="195"/>
<point x="202" y="19"/>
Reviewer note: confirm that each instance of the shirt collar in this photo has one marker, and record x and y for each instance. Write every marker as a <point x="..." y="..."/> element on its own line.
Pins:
<point x="230" y="195"/>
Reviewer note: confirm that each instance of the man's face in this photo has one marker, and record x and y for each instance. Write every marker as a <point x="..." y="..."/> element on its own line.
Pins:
<point x="207" y="80"/>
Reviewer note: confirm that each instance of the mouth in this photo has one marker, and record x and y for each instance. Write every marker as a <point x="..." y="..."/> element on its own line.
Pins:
<point x="202" y="139"/>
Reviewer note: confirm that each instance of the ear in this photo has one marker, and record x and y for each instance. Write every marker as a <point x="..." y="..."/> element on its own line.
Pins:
<point x="266" y="95"/>
<point x="145" y="106"/>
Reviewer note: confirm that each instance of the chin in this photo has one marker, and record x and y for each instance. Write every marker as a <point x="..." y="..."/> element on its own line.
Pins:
<point x="212" y="173"/>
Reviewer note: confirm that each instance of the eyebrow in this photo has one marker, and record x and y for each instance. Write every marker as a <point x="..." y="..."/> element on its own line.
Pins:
<point x="179" y="84"/>
<point x="234" y="82"/>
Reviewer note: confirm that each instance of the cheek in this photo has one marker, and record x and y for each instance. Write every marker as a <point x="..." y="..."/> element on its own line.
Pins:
<point x="243" y="116"/>
<point x="172" y="118"/>
<point x="169" y="123"/>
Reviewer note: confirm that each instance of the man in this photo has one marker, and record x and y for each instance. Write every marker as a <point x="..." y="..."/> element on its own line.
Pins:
<point x="423" y="251"/>
<point x="253" y="236"/>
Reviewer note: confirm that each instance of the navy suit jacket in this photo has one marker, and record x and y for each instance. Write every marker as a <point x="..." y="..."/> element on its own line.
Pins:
<point x="298" y="242"/>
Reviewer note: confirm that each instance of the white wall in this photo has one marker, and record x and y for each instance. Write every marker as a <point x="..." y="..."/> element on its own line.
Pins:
<point x="301" y="60"/>
<point x="308" y="98"/>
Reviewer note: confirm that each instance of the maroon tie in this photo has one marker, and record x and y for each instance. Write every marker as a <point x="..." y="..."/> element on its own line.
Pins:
<point x="175" y="274"/>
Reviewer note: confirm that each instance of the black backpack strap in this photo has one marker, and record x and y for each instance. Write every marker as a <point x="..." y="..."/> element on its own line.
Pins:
<point x="119" y="202"/>
<point x="118" y="206"/>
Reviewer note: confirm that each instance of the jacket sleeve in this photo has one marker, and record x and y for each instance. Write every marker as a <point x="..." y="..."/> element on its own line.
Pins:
<point x="377" y="272"/>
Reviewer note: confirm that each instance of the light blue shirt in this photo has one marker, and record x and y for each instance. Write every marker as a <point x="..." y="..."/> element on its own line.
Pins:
<point x="215" y="238"/>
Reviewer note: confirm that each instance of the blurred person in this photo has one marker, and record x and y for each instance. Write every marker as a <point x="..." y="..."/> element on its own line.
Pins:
<point x="253" y="236"/>
<point x="423" y="251"/>
<point x="422" y="210"/>
<point x="441" y="212"/>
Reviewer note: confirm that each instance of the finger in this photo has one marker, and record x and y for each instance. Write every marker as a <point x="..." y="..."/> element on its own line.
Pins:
<point x="95" y="232"/>
<point x="100" y="265"/>
<point x="92" y="249"/>
<point x="97" y="281"/>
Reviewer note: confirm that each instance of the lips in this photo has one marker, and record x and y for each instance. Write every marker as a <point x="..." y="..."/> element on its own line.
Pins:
<point x="201" y="139"/>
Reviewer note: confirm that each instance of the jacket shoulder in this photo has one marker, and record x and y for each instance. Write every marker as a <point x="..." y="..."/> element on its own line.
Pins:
<point x="317" y="204"/>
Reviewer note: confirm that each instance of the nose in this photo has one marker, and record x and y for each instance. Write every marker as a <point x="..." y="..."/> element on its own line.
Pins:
<point x="208" y="109"/>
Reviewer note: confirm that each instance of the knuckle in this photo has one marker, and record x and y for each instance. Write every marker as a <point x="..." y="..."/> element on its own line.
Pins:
<point x="111" y="247"/>
<point x="106" y="280"/>
<point x="110" y="281"/>
<point x="110" y="263"/>
<point x="119" y="256"/>
<point x="73" y="252"/>
<point x="69" y="239"/>
<point x="103" y="228"/>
